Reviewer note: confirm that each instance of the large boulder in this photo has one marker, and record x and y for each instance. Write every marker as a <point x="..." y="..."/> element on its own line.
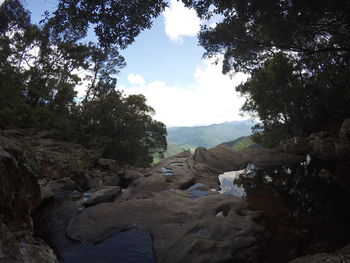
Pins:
<point x="222" y="159"/>
<point x="104" y="194"/>
<point x="183" y="229"/>
<point x="344" y="131"/>
<point x="340" y="256"/>
<point x="172" y="173"/>
<point x="23" y="247"/>
<point x="19" y="196"/>
<point x="19" y="190"/>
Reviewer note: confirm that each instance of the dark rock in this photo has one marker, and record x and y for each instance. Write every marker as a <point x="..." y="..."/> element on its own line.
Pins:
<point x="82" y="181"/>
<point x="19" y="190"/>
<point x="325" y="174"/>
<point x="297" y="145"/>
<point x="344" y="132"/>
<point x="106" y="163"/>
<point x="323" y="148"/>
<point x="49" y="188"/>
<point x="104" y="194"/>
<point x="23" y="247"/>
<point x="340" y="256"/>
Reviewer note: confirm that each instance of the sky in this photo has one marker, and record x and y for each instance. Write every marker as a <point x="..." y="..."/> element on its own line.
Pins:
<point x="165" y="64"/>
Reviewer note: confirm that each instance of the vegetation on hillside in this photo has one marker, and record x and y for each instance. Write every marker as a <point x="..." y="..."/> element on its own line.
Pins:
<point x="41" y="65"/>
<point x="241" y="143"/>
<point x="208" y="136"/>
<point x="297" y="54"/>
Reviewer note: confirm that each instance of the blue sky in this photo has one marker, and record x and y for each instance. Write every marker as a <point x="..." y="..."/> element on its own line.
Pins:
<point x="165" y="64"/>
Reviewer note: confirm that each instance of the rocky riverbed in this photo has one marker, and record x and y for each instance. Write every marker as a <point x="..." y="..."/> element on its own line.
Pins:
<point x="276" y="206"/>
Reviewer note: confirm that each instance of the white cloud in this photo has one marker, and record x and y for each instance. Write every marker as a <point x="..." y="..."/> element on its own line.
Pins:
<point x="211" y="99"/>
<point x="86" y="79"/>
<point x="180" y="21"/>
<point x="1" y="2"/>
<point x="136" y="79"/>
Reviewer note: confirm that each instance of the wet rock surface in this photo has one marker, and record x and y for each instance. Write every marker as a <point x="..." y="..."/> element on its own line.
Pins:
<point x="176" y="223"/>
<point x="282" y="206"/>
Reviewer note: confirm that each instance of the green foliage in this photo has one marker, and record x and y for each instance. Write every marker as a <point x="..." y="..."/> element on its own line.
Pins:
<point x="172" y="150"/>
<point x="241" y="143"/>
<point x="297" y="53"/>
<point x="115" y="23"/>
<point x="208" y="136"/>
<point x="42" y="65"/>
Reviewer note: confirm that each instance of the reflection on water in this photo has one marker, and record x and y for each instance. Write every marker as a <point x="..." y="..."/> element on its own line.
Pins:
<point x="198" y="190"/>
<point x="130" y="246"/>
<point x="302" y="212"/>
<point x="228" y="186"/>
<point x="203" y="232"/>
<point x="177" y="164"/>
<point x="166" y="171"/>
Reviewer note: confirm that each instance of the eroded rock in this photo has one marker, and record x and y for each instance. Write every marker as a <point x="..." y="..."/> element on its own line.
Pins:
<point x="183" y="230"/>
<point x="222" y="159"/>
<point x="23" y="247"/>
<point x="104" y="194"/>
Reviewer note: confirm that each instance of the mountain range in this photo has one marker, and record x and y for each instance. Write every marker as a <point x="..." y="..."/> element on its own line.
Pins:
<point x="208" y="136"/>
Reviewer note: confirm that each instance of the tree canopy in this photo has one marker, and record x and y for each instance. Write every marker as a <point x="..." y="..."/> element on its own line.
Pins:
<point x="41" y="66"/>
<point x="296" y="52"/>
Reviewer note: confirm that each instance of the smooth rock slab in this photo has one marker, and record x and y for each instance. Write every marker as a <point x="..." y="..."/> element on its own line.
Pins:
<point x="176" y="224"/>
<point x="104" y="194"/>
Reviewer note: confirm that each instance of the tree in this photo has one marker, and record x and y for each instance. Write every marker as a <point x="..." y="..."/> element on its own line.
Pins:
<point x="42" y="65"/>
<point x="297" y="53"/>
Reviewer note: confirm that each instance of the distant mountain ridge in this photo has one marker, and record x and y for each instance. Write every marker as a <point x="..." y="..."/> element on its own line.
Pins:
<point x="244" y="142"/>
<point x="209" y="136"/>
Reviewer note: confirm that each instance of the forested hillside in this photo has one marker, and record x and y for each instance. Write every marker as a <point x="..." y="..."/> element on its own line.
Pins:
<point x="244" y="142"/>
<point x="209" y="136"/>
<point x="41" y="66"/>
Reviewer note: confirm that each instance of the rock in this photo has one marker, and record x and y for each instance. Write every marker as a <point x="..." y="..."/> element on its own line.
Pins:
<point x="184" y="154"/>
<point x="344" y="132"/>
<point x="297" y="145"/>
<point x="171" y="173"/>
<point x="23" y="247"/>
<point x="183" y="229"/>
<point x="82" y="181"/>
<point x="106" y="163"/>
<point x="323" y="148"/>
<point x="222" y="159"/>
<point x="19" y="190"/>
<point x="340" y="256"/>
<point x="49" y="188"/>
<point x="325" y="174"/>
<point x="99" y="178"/>
<point x="20" y="194"/>
<point x="131" y="175"/>
<point x="104" y="194"/>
